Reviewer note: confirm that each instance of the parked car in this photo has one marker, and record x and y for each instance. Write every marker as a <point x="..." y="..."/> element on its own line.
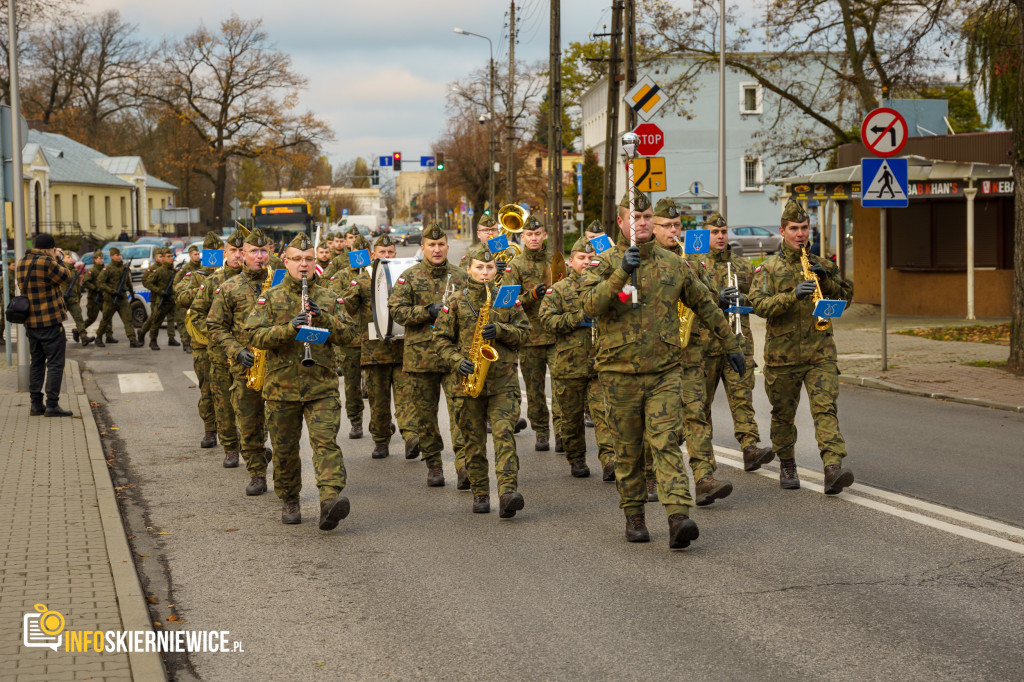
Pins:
<point x="157" y="241"/>
<point x="181" y="257"/>
<point x="407" y="234"/>
<point x="120" y="245"/>
<point x="753" y="240"/>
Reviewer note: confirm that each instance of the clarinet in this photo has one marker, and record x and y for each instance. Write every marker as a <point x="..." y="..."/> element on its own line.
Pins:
<point x="307" y="357"/>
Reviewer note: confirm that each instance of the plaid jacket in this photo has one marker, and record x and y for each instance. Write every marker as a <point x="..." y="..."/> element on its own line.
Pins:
<point x="42" y="279"/>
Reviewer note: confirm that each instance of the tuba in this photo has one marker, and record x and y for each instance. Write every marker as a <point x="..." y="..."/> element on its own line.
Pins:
<point x="820" y="323"/>
<point x="481" y="354"/>
<point x="511" y="217"/>
<point x="255" y="375"/>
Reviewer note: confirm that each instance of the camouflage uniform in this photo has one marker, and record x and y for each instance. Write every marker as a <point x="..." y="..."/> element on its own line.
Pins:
<point x="72" y="302"/>
<point x="94" y="295"/>
<point x="184" y="294"/>
<point x="108" y="282"/>
<point x="179" y="309"/>
<point x="347" y="356"/>
<point x="156" y="280"/>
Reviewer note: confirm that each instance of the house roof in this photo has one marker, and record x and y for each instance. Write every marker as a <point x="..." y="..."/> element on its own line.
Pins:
<point x="73" y="162"/>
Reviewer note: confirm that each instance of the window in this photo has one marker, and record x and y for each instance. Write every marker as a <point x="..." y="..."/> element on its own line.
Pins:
<point x="752" y="174"/>
<point x="74" y="208"/>
<point x="124" y="212"/>
<point x="932" y="235"/>
<point x="56" y="208"/>
<point x="539" y="163"/>
<point x="750" y="98"/>
<point x="92" y="211"/>
<point x="106" y="210"/>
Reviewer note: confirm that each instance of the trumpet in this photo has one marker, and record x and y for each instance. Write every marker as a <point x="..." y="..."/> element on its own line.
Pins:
<point x="732" y="280"/>
<point x="307" y="354"/>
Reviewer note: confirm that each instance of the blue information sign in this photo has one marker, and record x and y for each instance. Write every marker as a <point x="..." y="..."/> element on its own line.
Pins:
<point x="387" y="161"/>
<point x="427" y="161"/>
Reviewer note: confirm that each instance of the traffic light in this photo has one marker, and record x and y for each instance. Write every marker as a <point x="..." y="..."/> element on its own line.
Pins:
<point x="397" y="160"/>
<point x="440" y="161"/>
<point x="374" y="177"/>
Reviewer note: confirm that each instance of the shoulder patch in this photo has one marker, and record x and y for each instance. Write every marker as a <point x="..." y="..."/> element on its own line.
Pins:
<point x="594" y="263"/>
<point x="202" y="286"/>
<point x="188" y="274"/>
<point x="518" y="302"/>
<point x="217" y="290"/>
<point x="340" y="300"/>
<point x="444" y="308"/>
<point x="332" y="278"/>
<point x="353" y="283"/>
<point x="261" y="300"/>
<point x="757" y="269"/>
<point x="401" y="280"/>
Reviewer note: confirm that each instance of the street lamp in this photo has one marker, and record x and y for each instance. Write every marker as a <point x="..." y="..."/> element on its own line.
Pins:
<point x="490" y="156"/>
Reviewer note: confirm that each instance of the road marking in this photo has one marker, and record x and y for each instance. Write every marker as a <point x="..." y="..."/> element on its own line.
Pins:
<point x="857" y="493"/>
<point x="144" y="382"/>
<point x="191" y="376"/>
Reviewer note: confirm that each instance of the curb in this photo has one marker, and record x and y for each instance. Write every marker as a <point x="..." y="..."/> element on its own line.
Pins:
<point x="131" y="601"/>
<point x="878" y="384"/>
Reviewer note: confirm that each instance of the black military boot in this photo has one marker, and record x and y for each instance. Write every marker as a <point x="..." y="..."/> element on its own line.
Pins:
<point x="481" y="504"/>
<point x="681" y="531"/>
<point x="209" y="439"/>
<point x="558" y="444"/>
<point x="231" y="459"/>
<point x="412" y="448"/>
<point x="509" y="504"/>
<point x="332" y="511"/>
<point x="380" y="451"/>
<point x="435" y="476"/>
<point x="608" y="473"/>
<point x="754" y="457"/>
<point x="710" y="489"/>
<point x="132" y="343"/>
<point x="579" y="469"/>
<point x="257" y="486"/>
<point x="86" y="340"/>
<point x="636" y="529"/>
<point x="587" y="419"/>
<point x="652" y="490"/>
<point x="153" y="345"/>
<point x="111" y="339"/>
<point x="462" y="479"/>
<point x="542" y="444"/>
<point x="520" y="425"/>
<point x="835" y="477"/>
<point x="74" y="335"/>
<point x="140" y="336"/>
<point x="173" y="342"/>
<point x="99" y="342"/>
<point x="356" y="432"/>
<point x="788" y="480"/>
<point x="290" y="512"/>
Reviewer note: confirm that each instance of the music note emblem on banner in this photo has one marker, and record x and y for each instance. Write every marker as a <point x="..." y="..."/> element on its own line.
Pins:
<point x="697" y="241"/>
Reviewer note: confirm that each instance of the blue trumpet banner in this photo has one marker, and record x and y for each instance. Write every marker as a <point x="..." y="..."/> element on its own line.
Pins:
<point x="740" y="309"/>
<point x="601" y="243"/>
<point x="278" y="277"/>
<point x="359" y="259"/>
<point x="505" y="296"/>
<point x="697" y="241"/>
<point x="498" y="244"/>
<point x="312" y="335"/>
<point x="829" y="308"/>
<point x="212" y="258"/>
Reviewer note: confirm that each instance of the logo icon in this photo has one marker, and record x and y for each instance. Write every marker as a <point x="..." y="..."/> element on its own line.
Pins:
<point x="44" y="628"/>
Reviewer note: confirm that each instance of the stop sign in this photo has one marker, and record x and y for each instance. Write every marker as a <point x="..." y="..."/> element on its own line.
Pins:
<point x="651" y="139"/>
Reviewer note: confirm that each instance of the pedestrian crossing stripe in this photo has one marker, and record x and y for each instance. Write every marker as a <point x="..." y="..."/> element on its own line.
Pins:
<point x="143" y="382"/>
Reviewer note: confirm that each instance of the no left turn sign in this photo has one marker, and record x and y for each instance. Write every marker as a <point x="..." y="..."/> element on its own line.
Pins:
<point x="884" y="132"/>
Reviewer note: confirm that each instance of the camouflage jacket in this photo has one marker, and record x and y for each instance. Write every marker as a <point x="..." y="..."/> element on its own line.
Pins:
<point x="790" y="336"/>
<point x="156" y="279"/>
<point x="269" y="327"/>
<point x="358" y="304"/>
<point x="338" y="262"/>
<point x="561" y="313"/>
<point x="529" y="270"/>
<point x="111" y="277"/>
<point x="418" y="287"/>
<point x="232" y="302"/>
<point x="645" y="339"/>
<point x="76" y="288"/>
<point x="716" y="265"/>
<point x="202" y="303"/>
<point x="188" y="267"/>
<point x="186" y="285"/>
<point x="340" y="282"/>
<point x="700" y="336"/>
<point x="456" y="326"/>
<point x="91" y="280"/>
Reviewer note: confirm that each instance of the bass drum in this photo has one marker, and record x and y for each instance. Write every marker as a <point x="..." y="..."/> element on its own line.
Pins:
<point x="385" y="273"/>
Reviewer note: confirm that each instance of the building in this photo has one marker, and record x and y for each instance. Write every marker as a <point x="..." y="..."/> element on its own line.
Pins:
<point x="409" y="188"/>
<point x="74" y="190"/>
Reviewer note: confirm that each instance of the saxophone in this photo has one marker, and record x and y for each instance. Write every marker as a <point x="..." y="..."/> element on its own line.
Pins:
<point x="481" y="354"/>
<point x="255" y="375"/>
<point x="190" y="325"/>
<point x="686" y="316"/>
<point x="820" y="323"/>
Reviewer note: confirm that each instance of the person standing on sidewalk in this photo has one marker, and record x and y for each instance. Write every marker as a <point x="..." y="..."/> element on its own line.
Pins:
<point x="42" y="278"/>
<point x="797" y="354"/>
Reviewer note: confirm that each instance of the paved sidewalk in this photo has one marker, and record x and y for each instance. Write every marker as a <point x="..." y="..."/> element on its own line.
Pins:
<point x="62" y="543"/>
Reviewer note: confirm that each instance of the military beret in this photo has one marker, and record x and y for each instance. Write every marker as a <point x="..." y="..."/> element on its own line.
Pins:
<point x="323" y="244"/>
<point x="435" y="231"/>
<point x="163" y="251"/>
<point x="361" y="243"/>
<point x="384" y="240"/>
<point x="532" y="223"/>
<point x="212" y="241"/>
<point x="583" y="244"/>
<point x="302" y="242"/>
<point x="641" y="202"/>
<point x="257" y="238"/>
<point x="479" y="252"/>
<point x="794" y="212"/>
<point x="114" y="251"/>
<point x="715" y="220"/>
<point x="487" y="221"/>
<point x="236" y="239"/>
<point x="193" y="247"/>
<point x="97" y="256"/>
<point x="666" y="208"/>
<point x="595" y="226"/>
<point x="353" y="230"/>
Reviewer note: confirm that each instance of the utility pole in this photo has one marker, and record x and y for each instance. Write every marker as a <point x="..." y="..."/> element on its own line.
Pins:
<point x="18" y="200"/>
<point x="511" y="170"/>
<point x="630" y="61"/>
<point x="555" y="128"/>
<point x="722" y="198"/>
<point x="611" y="145"/>
<point x="490" y="145"/>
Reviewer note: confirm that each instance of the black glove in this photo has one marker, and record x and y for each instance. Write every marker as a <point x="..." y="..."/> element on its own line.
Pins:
<point x="466" y="368"/>
<point x="631" y="260"/>
<point x="434" y="309"/>
<point x="737" y="362"/>
<point x="500" y="265"/>
<point x="300" y="320"/>
<point x="540" y="291"/>
<point x="314" y="309"/>
<point x="490" y="331"/>
<point x="820" y="271"/>
<point x="805" y="289"/>
<point x="727" y="297"/>
<point x="246" y="357"/>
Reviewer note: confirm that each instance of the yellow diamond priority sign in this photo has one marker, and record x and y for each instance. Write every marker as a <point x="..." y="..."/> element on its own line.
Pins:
<point x="645" y="98"/>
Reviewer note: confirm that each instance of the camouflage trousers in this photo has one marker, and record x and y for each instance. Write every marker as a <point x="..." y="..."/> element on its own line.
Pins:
<point x="646" y="407"/>
<point x="381" y="382"/>
<point x="696" y="428"/>
<point x="573" y="396"/>
<point x="740" y="392"/>
<point x="423" y="393"/>
<point x="252" y="430"/>
<point x="93" y="310"/>
<point x="323" y="419"/>
<point x="179" y="322"/>
<point x="201" y="363"/>
<point x="220" y="386"/>
<point x="159" y="314"/>
<point x="124" y="310"/>
<point x="348" y="363"/>
<point x="75" y="311"/>
<point x="602" y="427"/>
<point x="534" y="362"/>
<point x="472" y="415"/>
<point x="822" y="383"/>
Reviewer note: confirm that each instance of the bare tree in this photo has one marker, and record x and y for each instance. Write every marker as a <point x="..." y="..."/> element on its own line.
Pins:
<point x="115" y="54"/>
<point x="31" y="16"/>
<point x="54" y="61"/>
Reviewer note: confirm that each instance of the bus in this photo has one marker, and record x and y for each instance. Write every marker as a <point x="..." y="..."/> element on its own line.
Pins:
<point x="282" y="219"/>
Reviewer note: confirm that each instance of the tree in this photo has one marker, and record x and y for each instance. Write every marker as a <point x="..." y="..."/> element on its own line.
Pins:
<point x="593" y="187"/>
<point x="249" y="185"/>
<point x="570" y="128"/>
<point x="31" y="16"/>
<point x="353" y="173"/>
<point x="113" y="57"/>
<point x="53" y="68"/>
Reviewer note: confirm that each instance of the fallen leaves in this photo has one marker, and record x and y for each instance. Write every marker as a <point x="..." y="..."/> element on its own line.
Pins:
<point x="998" y="334"/>
<point x="151" y="599"/>
<point x="230" y="530"/>
<point x="171" y="618"/>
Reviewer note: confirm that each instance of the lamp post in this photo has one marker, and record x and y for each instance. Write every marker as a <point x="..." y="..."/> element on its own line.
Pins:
<point x="490" y="155"/>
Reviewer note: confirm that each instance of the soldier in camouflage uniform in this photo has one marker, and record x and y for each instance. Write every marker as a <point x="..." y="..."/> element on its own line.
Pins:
<point x="454" y="335"/>
<point x="323" y="254"/>
<point x="532" y="271"/>
<point x="638" y="361"/>
<point x="415" y="303"/>
<point x="232" y="302"/>
<point x="192" y="264"/>
<point x="220" y="374"/>
<point x="108" y="283"/>
<point x="294" y="392"/>
<point x="796" y="353"/>
<point x="343" y="244"/>
<point x="185" y="291"/>
<point x="347" y="356"/>
<point x="573" y="376"/>
<point x="739" y="390"/>
<point x="94" y="296"/>
<point x="161" y="308"/>
<point x="72" y="302"/>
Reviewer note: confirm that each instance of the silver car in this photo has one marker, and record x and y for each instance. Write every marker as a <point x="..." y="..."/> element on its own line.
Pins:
<point x="753" y="240"/>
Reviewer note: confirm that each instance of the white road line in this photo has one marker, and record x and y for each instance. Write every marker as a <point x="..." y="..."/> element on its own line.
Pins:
<point x="733" y="458"/>
<point x="144" y="382"/>
<point x="191" y="376"/>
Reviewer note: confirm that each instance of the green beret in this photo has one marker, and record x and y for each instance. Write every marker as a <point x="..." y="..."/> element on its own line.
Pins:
<point x="794" y="212"/>
<point x="715" y="220"/>
<point x="257" y="238"/>
<point x="302" y="242"/>
<point x="353" y="230"/>
<point x="97" y="256"/>
<point x="236" y="239"/>
<point x="595" y="226"/>
<point x="583" y="244"/>
<point x="487" y="221"/>
<point x="212" y="240"/>
<point x="193" y="247"/>
<point x="641" y="202"/>
<point x="666" y="208"/>
<point x="384" y="240"/>
<point x="479" y="252"/>
<point x="435" y="231"/>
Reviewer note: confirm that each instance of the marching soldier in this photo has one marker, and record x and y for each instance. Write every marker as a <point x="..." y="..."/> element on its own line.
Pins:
<point x="348" y="355"/>
<point x="232" y="302"/>
<point x="161" y="307"/>
<point x="94" y="296"/>
<point x="638" y="364"/>
<point x="184" y="294"/>
<point x="72" y="302"/>
<point x="532" y="271"/>
<point x="454" y="336"/>
<point x="220" y="374"/>
<point x="193" y="264"/>
<point x="295" y="392"/>
<point x="796" y="353"/>
<point x="573" y="376"/>
<point x="739" y="389"/>
<point x="116" y="284"/>
<point x="415" y="303"/>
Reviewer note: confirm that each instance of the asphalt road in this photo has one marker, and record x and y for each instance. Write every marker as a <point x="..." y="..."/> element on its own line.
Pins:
<point x="780" y="585"/>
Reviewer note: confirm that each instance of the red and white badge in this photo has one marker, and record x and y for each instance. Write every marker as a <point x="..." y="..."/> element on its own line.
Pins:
<point x="261" y="301"/>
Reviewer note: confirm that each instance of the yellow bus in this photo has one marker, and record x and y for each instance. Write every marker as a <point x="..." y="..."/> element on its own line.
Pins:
<point x="282" y="219"/>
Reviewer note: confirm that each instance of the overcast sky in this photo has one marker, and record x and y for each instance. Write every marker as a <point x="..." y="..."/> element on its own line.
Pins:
<point x="378" y="70"/>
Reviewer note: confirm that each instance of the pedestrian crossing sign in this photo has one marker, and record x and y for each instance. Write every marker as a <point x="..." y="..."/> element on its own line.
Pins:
<point x="884" y="183"/>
